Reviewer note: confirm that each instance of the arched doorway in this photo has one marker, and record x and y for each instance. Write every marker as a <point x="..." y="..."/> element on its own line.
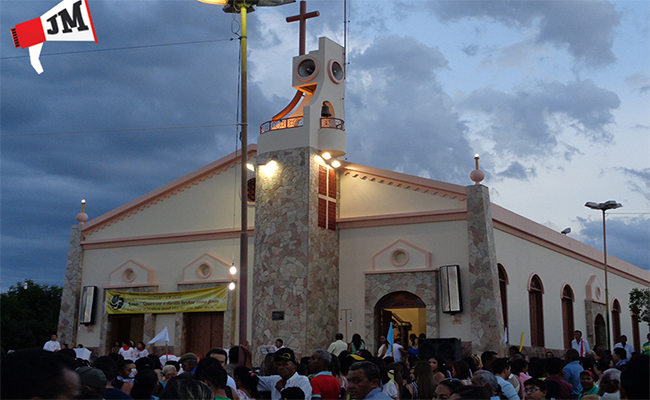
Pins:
<point x="406" y="310"/>
<point x="600" y="331"/>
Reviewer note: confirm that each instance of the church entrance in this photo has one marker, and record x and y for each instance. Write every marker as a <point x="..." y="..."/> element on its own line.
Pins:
<point x="600" y="331"/>
<point x="125" y="328"/>
<point x="203" y="331"/>
<point x="406" y="310"/>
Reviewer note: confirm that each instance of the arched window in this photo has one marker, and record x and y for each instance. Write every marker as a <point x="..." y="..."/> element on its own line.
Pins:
<point x="535" y="292"/>
<point x="636" y="337"/>
<point x="567" y="315"/>
<point x="503" y="286"/>
<point x="616" y="320"/>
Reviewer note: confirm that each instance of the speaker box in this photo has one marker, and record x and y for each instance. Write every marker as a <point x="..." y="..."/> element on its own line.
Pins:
<point x="449" y="349"/>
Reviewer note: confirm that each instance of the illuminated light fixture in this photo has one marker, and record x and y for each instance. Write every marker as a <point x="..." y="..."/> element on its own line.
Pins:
<point x="336" y="164"/>
<point x="250" y="167"/>
<point x="233" y="269"/>
<point x="231" y="286"/>
<point x="217" y="2"/>
<point x="270" y="167"/>
<point x="326" y="155"/>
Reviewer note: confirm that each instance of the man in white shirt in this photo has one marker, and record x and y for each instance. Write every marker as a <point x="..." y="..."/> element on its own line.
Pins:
<point x="625" y="345"/>
<point x="580" y="343"/>
<point x="338" y="346"/>
<point x="53" y="345"/>
<point x="286" y="365"/>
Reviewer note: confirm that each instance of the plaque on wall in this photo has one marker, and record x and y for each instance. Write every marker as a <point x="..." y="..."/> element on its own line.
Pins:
<point x="277" y="316"/>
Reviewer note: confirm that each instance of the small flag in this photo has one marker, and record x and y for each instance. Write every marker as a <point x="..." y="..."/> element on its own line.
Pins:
<point x="163" y="336"/>
<point x="389" y="339"/>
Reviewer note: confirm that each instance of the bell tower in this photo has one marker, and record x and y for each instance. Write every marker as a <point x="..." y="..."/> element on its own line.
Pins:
<point x="296" y="262"/>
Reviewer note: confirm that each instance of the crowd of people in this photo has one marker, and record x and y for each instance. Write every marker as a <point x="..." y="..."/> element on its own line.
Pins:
<point x="343" y="371"/>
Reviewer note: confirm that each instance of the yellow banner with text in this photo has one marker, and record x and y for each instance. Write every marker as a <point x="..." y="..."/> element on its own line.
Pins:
<point x="198" y="300"/>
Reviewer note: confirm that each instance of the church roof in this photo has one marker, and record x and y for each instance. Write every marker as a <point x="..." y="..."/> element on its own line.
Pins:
<point x="503" y="219"/>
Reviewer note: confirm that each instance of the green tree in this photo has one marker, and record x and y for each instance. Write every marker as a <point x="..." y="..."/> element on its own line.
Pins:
<point x="640" y="304"/>
<point x="29" y="315"/>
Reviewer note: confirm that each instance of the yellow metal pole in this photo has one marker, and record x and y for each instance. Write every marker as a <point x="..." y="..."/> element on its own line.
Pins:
<point x="243" y="251"/>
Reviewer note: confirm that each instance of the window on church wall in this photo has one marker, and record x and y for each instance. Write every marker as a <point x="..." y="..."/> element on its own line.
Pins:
<point x="503" y="286"/>
<point x="326" y="198"/>
<point x="567" y="315"/>
<point x="636" y="337"/>
<point x="536" y="312"/>
<point x="616" y="320"/>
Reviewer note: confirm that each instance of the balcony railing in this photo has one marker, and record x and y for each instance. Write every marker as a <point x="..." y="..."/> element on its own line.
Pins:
<point x="332" y="123"/>
<point x="283" y="123"/>
<point x="294" y="122"/>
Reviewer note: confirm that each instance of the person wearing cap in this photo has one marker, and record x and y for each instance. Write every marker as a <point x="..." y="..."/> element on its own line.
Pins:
<point x="286" y="365"/>
<point x="588" y="382"/>
<point x="93" y="383"/>
<point x="188" y="362"/>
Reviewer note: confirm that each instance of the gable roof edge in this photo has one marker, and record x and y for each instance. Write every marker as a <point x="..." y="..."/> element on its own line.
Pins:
<point x="443" y="189"/>
<point x="159" y="194"/>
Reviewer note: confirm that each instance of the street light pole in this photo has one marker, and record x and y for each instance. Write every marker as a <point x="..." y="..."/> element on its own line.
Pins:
<point x="243" y="244"/>
<point x="231" y="6"/>
<point x="609" y="205"/>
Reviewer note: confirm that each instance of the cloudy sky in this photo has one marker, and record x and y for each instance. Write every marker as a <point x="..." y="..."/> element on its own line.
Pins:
<point x="553" y="95"/>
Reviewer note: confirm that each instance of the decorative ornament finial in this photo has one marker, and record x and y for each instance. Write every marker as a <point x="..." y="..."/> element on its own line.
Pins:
<point x="477" y="175"/>
<point x="82" y="216"/>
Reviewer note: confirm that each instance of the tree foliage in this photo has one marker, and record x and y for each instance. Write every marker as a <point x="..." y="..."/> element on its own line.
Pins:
<point x="29" y="315"/>
<point x="640" y="304"/>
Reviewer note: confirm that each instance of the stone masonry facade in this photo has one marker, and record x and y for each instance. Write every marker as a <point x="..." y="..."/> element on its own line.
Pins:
<point x="71" y="289"/>
<point x="487" y="326"/>
<point x="296" y="264"/>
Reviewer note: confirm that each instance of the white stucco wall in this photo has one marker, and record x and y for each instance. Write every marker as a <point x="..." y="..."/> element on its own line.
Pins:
<point x="167" y="261"/>
<point x="521" y="259"/>
<point x="446" y="241"/>
<point x="363" y="197"/>
<point x="208" y="205"/>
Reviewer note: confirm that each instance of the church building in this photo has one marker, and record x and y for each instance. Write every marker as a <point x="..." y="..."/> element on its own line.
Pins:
<point x="335" y="247"/>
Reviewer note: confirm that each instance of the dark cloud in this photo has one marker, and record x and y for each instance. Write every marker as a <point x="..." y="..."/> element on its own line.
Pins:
<point x="403" y="120"/>
<point x="638" y="180"/>
<point x="638" y="81"/>
<point x="627" y="239"/>
<point x="517" y="171"/>
<point x="45" y="176"/>
<point x="585" y="28"/>
<point x="518" y="120"/>
<point x="470" y="49"/>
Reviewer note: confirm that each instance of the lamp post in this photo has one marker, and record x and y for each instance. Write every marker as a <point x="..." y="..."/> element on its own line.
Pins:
<point x="243" y="7"/>
<point x="608" y="205"/>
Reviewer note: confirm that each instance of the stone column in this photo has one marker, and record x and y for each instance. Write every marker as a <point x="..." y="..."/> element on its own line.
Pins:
<point x="296" y="263"/>
<point x="69" y="314"/>
<point x="487" y="326"/>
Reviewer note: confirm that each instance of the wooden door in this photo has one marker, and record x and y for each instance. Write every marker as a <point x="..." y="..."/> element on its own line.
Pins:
<point x="124" y="328"/>
<point x="203" y="332"/>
